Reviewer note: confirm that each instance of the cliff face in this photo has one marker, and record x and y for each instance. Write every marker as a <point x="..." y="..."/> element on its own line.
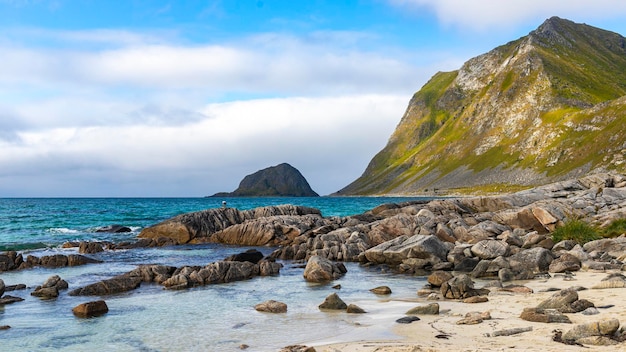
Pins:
<point x="277" y="181"/>
<point x="542" y="108"/>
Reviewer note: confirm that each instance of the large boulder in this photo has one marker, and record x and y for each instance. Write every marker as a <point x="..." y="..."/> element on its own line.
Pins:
<point x="607" y="327"/>
<point x="320" y="269"/>
<point x="490" y="249"/>
<point x="425" y="247"/>
<point x="534" y="260"/>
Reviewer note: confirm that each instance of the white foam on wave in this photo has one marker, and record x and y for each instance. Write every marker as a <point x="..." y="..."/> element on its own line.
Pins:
<point x="62" y="230"/>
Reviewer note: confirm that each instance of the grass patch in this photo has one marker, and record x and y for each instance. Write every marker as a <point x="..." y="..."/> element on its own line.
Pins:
<point x="615" y="228"/>
<point x="576" y="230"/>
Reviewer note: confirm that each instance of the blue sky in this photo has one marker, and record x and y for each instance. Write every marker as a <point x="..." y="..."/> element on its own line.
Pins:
<point x="185" y="98"/>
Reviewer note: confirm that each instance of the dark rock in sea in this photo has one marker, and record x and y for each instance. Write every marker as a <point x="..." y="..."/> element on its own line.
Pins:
<point x="45" y="292"/>
<point x="2" y="287"/>
<point x="10" y="260"/>
<point x="277" y="181"/>
<point x="117" y="284"/>
<point x="7" y="299"/>
<point x="57" y="261"/>
<point x="114" y="229"/>
<point x="333" y="302"/>
<point x="89" y="247"/>
<point x="5" y="327"/>
<point x="15" y="287"/>
<point x="407" y="320"/>
<point x="90" y="309"/>
<point x="251" y="255"/>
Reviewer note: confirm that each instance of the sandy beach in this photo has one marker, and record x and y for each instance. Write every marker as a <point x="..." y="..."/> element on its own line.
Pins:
<point x="504" y="308"/>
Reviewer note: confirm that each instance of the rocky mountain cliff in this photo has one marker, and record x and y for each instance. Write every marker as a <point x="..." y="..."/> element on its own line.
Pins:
<point x="277" y="181"/>
<point x="546" y="107"/>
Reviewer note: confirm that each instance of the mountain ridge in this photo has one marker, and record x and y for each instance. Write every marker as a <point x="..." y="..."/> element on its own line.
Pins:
<point x="534" y="110"/>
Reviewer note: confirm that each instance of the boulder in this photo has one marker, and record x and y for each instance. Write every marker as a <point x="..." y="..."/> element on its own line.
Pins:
<point x="407" y="320"/>
<point x="381" y="290"/>
<point x="7" y="299"/>
<point x="2" y="287"/>
<point x="430" y="309"/>
<point x="114" y="229"/>
<point x="490" y="249"/>
<point x="459" y="287"/>
<point x="437" y="278"/>
<point x="251" y="255"/>
<point x="333" y="302"/>
<point x="45" y="292"/>
<point x="89" y="247"/>
<point x="566" y="262"/>
<point x="561" y="301"/>
<point x="394" y="252"/>
<point x="117" y="284"/>
<point x="607" y="327"/>
<point x="320" y="269"/>
<point x="297" y="348"/>
<point x="544" y="316"/>
<point x="90" y="309"/>
<point x="473" y="318"/>
<point x="354" y="309"/>
<point x="271" y="306"/>
<point x="534" y="260"/>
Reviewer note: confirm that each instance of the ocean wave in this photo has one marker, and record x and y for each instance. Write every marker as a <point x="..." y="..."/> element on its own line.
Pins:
<point x="62" y="230"/>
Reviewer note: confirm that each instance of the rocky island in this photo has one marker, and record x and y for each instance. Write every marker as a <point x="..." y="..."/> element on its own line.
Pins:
<point x="282" y="180"/>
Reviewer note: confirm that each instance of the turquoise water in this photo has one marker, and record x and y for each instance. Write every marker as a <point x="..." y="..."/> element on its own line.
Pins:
<point x="210" y="318"/>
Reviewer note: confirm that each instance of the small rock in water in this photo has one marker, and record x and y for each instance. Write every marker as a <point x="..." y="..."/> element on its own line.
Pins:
<point x="337" y="287"/>
<point x="243" y="346"/>
<point x="353" y="308"/>
<point x="333" y="302"/>
<point x="271" y="306"/>
<point x="381" y="290"/>
<point x="5" y="327"/>
<point x="90" y="309"/>
<point x="407" y="320"/>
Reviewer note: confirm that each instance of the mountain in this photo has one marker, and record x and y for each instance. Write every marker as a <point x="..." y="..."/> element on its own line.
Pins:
<point x="545" y="107"/>
<point x="277" y="181"/>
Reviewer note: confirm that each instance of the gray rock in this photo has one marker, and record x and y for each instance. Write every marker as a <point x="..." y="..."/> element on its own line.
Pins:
<point x="394" y="252"/>
<point x="437" y="278"/>
<point x="490" y="249"/>
<point x="2" y="287"/>
<point x="560" y="301"/>
<point x="535" y="260"/>
<point x="458" y="287"/>
<point x="407" y="320"/>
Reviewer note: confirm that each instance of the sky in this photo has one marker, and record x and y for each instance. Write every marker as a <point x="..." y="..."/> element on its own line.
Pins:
<point x="158" y="98"/>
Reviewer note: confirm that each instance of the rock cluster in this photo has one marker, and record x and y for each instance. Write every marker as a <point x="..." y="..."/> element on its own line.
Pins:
<point x="180" y="278"/>
<point x="13" y="261"/>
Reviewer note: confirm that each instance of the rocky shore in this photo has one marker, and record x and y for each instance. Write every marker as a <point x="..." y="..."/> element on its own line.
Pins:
<point x="474" y="250"/>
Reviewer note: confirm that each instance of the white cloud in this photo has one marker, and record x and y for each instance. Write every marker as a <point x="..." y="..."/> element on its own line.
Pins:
<point x="276" y="63"/>
<point x="330" y="140"/>
<point x="484" y="15"/>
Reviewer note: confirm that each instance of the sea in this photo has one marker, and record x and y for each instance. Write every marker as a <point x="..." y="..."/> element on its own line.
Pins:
<point x="208" y="318"/>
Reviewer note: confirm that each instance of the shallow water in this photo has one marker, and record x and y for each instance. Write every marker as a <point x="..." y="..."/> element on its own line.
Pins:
<point x="210" y="318"/>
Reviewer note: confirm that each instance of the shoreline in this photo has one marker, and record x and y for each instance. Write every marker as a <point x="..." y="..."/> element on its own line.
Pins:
<point x="504" y="308"/>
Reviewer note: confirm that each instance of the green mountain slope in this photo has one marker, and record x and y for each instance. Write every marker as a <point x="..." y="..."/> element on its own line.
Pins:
<point x="547" y="106"/>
